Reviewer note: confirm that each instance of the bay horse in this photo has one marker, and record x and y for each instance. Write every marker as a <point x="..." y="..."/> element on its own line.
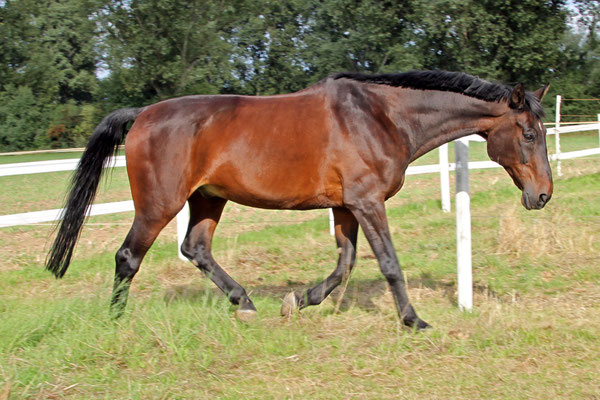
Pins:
<point x="343" y="143"/>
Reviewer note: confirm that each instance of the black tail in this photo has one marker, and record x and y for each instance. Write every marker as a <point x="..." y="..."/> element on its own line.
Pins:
<point x="104" y="142"/>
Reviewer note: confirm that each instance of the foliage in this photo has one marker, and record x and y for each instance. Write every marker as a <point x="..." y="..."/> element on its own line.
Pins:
<point x="168" y="47"/>
<point x="511" y="41"/>
<point x="70" y="124"/>
<point x="49" y="47"/>
<point x="80" y="59"/>
<point x="367" y="36"/>
<point x="48" y="70"/>
<point x="267" y="48"/>
<point x="21" y="119"/>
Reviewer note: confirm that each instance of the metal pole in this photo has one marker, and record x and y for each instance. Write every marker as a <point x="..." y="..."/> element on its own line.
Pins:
<point x="183" y="219"/>
<point x="445" y="177"/>
<point x="557" y="135"/>
<point x="463" y="226"/>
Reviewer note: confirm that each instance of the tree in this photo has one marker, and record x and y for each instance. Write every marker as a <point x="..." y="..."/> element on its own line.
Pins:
<point x="49" y="58"/>
<point x="510" y="41"/>
<point x="66" y="49"/>
<point x="589" y="22"/>
<point x="579" y="68"/>
<point x="15" y="31"/>
<point x="367" y="36"/>
<point x="23" y="121"/>
<point x="156" y="49"/>
<point x="50" y="47"/>
<point x="268" y="41"/>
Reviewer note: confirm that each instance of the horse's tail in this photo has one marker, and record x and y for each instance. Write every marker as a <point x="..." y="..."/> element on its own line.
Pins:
<point x="105" y="141"/>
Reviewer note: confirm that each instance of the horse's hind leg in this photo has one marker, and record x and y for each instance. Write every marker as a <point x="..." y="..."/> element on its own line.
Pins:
<point x="346" y="229"/>
<point x="204" y="217"/>
<point x="142" y="234"/>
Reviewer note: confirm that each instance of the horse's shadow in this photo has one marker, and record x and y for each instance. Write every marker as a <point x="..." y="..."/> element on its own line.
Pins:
<point x="365" y="294"/>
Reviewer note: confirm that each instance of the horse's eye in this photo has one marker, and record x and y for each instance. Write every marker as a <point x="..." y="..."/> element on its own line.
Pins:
<point x="529" y="136"/>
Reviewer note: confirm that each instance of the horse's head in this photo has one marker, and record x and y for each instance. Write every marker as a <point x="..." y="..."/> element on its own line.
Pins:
<point x="518" y="143"/>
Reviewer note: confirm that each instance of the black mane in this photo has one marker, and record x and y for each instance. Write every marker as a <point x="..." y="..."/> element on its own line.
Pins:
<point x="457" y="82"/>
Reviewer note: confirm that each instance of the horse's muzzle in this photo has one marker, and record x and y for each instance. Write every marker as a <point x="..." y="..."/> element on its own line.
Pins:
<point x="530" y="204"/>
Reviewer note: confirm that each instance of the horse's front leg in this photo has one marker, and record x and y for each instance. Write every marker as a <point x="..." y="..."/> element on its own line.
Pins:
<point x="371" y="217"/>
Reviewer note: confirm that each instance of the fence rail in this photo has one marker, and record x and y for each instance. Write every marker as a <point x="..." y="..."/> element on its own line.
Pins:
<point x="37" y="217"/>
<point x="40" y="167"/>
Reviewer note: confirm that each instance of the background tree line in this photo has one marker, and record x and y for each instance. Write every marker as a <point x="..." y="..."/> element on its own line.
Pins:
<point x="67" y="63"/>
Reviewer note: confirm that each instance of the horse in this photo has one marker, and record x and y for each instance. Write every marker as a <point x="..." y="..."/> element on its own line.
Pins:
<point x="343" y="143"/>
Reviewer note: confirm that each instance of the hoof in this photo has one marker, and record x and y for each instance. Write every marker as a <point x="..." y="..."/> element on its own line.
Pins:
<point x="419" y="325"/>
<point x="246" y="315"/>
<point x="289" y="305"/>
<point x="422" y="325"/>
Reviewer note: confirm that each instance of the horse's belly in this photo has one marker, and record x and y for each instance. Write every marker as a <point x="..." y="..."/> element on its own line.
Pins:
<point x="288" y="195"/>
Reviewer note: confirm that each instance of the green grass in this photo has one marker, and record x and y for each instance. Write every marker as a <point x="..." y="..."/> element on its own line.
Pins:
<point x="575" y="141"/>
<point x="22" y="158"/>
<point x="23" y="193"/>
<point x="534" y="332"/>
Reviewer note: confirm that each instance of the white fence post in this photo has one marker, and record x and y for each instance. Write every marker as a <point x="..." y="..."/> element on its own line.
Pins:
<point x="331" y="223"/>
<point x="557" y="134"/>
<point x="599" y="130"/>
<point x="445" y="177"/>
<point x="183" y="219"/>
<point x="463" y="226"/>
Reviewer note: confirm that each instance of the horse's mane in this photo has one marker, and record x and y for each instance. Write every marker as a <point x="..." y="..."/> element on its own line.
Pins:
<point x="457" y="82"/>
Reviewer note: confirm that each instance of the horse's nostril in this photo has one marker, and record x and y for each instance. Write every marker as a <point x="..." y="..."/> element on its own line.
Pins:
<point x="543" y="198"/>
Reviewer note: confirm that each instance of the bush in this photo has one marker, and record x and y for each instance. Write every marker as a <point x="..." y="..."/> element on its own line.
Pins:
<point x="22" y="120"/>
<point x="26" y="124"/>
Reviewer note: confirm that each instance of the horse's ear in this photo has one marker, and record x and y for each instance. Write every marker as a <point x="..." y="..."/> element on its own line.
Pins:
<point x="541" y="92"/>
<point x="517" y="97"/>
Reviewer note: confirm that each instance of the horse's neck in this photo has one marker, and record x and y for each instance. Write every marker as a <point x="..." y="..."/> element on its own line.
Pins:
<point x="449" y="117"/>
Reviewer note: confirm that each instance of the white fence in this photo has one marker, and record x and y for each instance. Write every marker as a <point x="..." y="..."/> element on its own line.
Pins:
<point x="557" y="125"/>
<point x="122" y="206"/>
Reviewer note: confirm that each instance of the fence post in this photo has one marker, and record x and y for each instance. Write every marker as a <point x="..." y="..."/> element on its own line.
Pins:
<point x="463" y="226"/>
<point x="599" y="131"/>
<point x="445" y="177"/>
<point x="183" y="219"/>
<point x="557" y="134"/>
<point x="331" y="223"/>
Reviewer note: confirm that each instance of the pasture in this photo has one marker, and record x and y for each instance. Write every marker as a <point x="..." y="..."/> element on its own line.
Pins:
<point x="534" y="332"/>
